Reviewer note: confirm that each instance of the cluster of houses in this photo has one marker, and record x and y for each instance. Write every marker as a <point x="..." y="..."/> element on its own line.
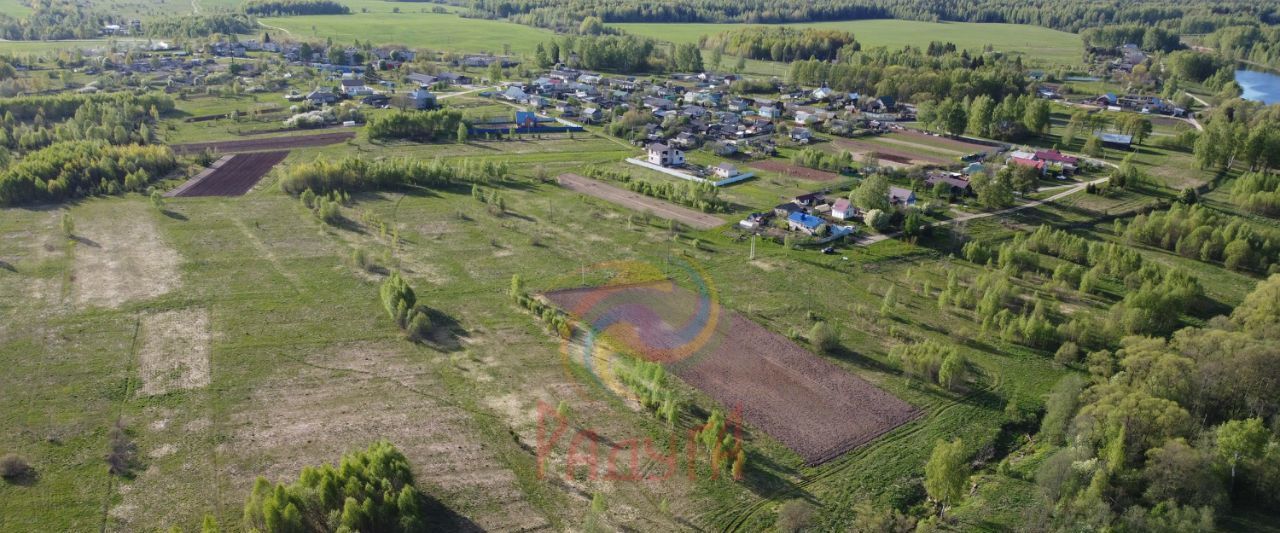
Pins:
<point x="1140" y="103"/>
<point x="702" y="108"/>
<point x="1045" y="161"/>
<point x="809" y="213"/>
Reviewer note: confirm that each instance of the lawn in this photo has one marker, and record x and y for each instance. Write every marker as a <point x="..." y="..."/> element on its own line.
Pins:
<point x="1035" y="44"/>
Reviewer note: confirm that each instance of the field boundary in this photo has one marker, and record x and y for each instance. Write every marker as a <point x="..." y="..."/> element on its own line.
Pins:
<point x="195" y="180"/>
<point x="637" y="201"/>
<point x="236" y="175"/>
<point x="815" y="408"/>
<point x="265" y="144"/>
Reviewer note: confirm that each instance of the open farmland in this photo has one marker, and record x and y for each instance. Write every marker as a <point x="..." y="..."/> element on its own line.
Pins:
<point x="811" y="405"/>
<point x="284" y="142"/>
<point x="447" y="31"/>
<point x="233" y="176"/>
<point x="639" y="202"/>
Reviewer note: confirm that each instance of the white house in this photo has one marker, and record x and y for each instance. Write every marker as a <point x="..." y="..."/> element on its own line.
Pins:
<point x="667" y="156"/>
<point x="725" y="170"/>
<point x="843" y="209"/>
<point x="355" y="87"/>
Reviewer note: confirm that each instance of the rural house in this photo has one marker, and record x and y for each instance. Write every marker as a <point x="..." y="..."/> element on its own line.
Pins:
<point x="803" y="223"/>
<point x="667" y="156"/>
<point x="843" y="209"/>
<point x="900" y="197"/>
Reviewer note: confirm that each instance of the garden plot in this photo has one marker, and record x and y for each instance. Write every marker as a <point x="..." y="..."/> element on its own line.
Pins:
<point x="815" y="408"/>
<point x="175" y="351"/>
<point x="120" y="257"/>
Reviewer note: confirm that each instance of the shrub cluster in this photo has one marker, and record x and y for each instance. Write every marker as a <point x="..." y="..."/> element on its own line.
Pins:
<point x="402" y="305"/>
<point x="368" y="491"/>
<point x="76" y="169"/>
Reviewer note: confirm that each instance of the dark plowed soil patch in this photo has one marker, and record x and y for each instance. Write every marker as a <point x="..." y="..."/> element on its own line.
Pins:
<point x="895" y="155"/>
<point x="266" y="144"/>
<point x="235" y="177"/>
<point x="814" y="407"/>
<point x="798" y="171"/>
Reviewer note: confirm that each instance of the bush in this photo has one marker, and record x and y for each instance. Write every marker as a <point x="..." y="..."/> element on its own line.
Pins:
<point x="371" y="490"/>
<point x="795" y="516"/>
<point x="823" y="337"/>
<point x="14" y="468"/>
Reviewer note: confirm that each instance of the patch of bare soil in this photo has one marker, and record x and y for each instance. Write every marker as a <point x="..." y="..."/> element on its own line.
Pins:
<point x="122" y="258"/>
<point x="638" y="201"/>
<point x="814" y="407"/>
<point x="175" y="351"/>
<point x="346" y="397"/>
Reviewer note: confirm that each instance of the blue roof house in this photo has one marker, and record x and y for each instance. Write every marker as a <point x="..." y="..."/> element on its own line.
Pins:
<point x="799" y="221"/>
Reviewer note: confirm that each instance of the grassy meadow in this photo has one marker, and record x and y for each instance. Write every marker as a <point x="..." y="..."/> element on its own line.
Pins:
<point x="291" y="361"/>
<point x="414" y="28"/>
<point x="1035" y="44"/>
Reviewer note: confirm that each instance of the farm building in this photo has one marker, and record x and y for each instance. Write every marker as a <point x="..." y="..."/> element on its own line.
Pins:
<point x="1116" y="140"/>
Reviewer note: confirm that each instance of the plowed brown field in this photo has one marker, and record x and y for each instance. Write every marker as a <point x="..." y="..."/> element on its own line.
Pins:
<point x="235" y="177"/>
<point x="814" y="407"/>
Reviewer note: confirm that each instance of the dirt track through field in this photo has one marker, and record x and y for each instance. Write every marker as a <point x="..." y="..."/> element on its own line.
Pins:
<point x="795" y="170"/>
<point x="638" y="201"/>
<point x="814" y="407"/>
<point x="234" y="176"/>
<point x="268" y="143"/>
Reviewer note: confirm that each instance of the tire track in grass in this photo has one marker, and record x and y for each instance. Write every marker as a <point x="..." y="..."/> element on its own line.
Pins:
<point x="128" y="391"/>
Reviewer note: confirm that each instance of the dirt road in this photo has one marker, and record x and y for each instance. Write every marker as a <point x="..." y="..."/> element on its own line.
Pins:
<point x="638" y="201"/>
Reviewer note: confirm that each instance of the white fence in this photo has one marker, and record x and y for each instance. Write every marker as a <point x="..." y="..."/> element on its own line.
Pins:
<point x="686" y="176"/>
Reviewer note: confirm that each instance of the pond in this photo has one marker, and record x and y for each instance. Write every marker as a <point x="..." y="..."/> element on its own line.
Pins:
<point x="1259" y="86"/>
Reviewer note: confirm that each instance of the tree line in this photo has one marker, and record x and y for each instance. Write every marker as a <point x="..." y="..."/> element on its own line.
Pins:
<point x="1188" y="16"/>
<point x="192" y="26"/>
<point x="438" y="125"/>
<point x="702" y="196"/>
<point x="1240" y="132"/>
<point x="355" y="174"/>
<point x="275" y="8"/>
<point x="1011" y="118"/>
<point x="53" y="19"/>
<point x="781" y="43"/>
<point x="1199" y="232"/>
<point x="910" y="74"/>
<point x="75" y="169"/>
<point x="116" y="120"/>
<point x="1149" y="38"/>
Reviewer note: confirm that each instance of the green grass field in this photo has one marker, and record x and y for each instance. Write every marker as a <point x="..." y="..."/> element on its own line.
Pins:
<point x="412" y="28"/>
<point x="1035" y="44"/>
